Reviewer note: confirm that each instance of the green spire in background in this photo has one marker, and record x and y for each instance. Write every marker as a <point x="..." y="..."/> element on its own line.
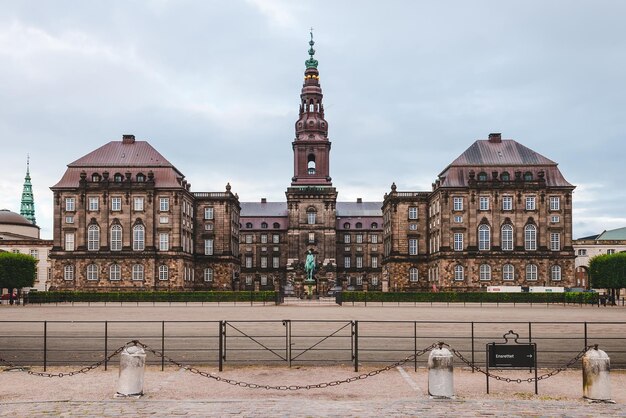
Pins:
<point x="311" y="62"/>
<point x="27" y="209"/>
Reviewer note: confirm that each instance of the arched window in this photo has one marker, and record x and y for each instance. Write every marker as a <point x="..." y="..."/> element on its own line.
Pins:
<point x="310" y="217"/>
<point x="68" y="272"/>
<point x="115" y="272"/>
<point x="413" y="274"/>
<point x="93" y="238"/>
<point x="208" y="274"/>
<point x="263" y="225"/>
<point x="528" y="176"/>
<point x="248" y="225"/>
<point x="116" y="238"/>
<point x="164" y="273"/>
<point x="482" y="176"/>
<point x="92" y="272"/>
<point x="484" y="237"/>
<point x="141" y="178"/>
<point x="374" y="225"/>
<point x="139" y="238"/>
<point x="358" y="225"/>
<point x="530" y="237"/>
<point x="276" y="225"/>
<point x="555" y="273"/>
<point x="505" y="176"/>
<point x="459" y="272"/>
<point x="311" y="164"/>
<point x="531" y="272"/>
<point x="95" y="177"/>
<point x="507" y="237"/>
<point x="117" y="177"/>
<point x="485" y="272"/>
<point x="508" y="272"/>
<point x="138" y="272"/>
<point x="346" y="225"/>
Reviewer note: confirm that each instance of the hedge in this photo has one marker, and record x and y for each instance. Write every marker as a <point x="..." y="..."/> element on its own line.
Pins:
<point x="566" y="297"/>
<point x="199" y="296"/>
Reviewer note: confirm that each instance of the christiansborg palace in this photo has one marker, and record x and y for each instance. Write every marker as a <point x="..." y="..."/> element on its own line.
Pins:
<point x="126" y="218"/>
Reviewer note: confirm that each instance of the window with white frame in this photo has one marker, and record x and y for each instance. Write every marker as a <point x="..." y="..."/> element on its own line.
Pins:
<point x="413" y="274"/>
<point x="34" y="254"/>
<point x="164" y="219"/>
<point x="412" y="212"/>
<point x="275" y="262"/>
<point x="116" y="238"/>
<point x="139" y="238"/>
<point x="264" y="262"/>
<point x="69" y="219"/>
<point x="248" y="261"/>
<point x="374" y="239"/>
<point x="374" y="280"/>
<point x="138" y="203"/>
<point x="359" y="238"/>
<point x="115" y="272"/>
<point x="531" y="272"/>
<point x="311" y="237"/>
<point x="263" y="280"/>
<point x="138" y="272"/>
<point x="359" y="262"/>
<point x="92" y="272"/>
<point x="459" y="273"/>
<point x="582" y="252"/>
<point x="508" y="272"/>
<point x="248" y="239"/>
<point x="457" y="203"/>
<point x="70" y="204"/>
<point x="310" y="216"/>
<point x="208" y="274"/>
<point x="531" y="203"/>
<point x="93" y="238"/>
<point x="555" y="203"/>
<point x="483" y="203"/>
<point x="164" y="204"/>
<point x="458" y="241"/>
<point x="484" y="237"/>
<point x="116" y="204"/>
<point x="164" y="241"/>
<point x="555" y="273"/>
<point x="610" y="251"/>
<point x="412" y="246"/>
<point x="93" y="204"/>
<point x="248" y="280"/>
<point x="507" y="202"/>
<point x="458" y="219"/>
<point x="485" y="272"/>
<point x="346" y="238"/>
<point x="69" y="241"/>
<point x="208" y="247"/>
<point x="164" y="272"/>
<point x="359" y="280"/>
<point x="276" y="238"/>
<point x="507" y="237"/>
<point x="555" y="241"/>
<point x="374" y="261"/>
<point x="208" y="213"/>
<point x="346" y="262"/>
<point x="68" y="272"/>
<point x="530" y="237"/>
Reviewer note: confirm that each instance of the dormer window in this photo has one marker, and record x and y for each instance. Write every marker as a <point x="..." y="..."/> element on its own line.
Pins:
<point x="141" y="178"/>
<point x="346" y="225"/>
<point x="482" y="176"/>
<point x="528" y="176"/>
<point x="95" y="177"/>
<point x="117" y="177"/>
<point x="248" y="225"/>
<point x="264" y="225"/>
<point x="505" y="176"/>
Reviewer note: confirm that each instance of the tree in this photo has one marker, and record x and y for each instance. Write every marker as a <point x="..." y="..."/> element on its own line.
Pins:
<point x="608" y="271"/>
<point x="17" y="270"/>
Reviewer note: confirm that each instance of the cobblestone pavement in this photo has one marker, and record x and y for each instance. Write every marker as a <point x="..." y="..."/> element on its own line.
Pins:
<point x="277" y="407"/>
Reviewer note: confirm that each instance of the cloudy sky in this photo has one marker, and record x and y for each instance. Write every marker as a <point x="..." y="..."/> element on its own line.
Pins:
<point x="408" y="86"/>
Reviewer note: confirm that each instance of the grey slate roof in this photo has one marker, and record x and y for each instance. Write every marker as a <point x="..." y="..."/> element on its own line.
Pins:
<point x="507" y="152"/>
<point x="359" y="209"/>
<point x="618" y="234"/>
<point x="263" y="209"/>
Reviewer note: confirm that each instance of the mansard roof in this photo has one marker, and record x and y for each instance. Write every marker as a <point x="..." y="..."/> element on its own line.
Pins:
<point x="359" y="209"/>
<point x="267" y="209"/>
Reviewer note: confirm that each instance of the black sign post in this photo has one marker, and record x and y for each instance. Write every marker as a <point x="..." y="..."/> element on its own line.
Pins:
<point x="512" y="356"/>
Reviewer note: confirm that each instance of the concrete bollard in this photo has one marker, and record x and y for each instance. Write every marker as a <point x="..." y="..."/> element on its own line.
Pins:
<point x="440" y="373"/>
<point x="596" y="378"/>
<point x="132" y="367"/>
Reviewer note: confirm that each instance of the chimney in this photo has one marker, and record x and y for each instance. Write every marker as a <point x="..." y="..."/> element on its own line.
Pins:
<point x="263" y="200"/>
<point x="128" y="139"/>
<point x="495" y="138"/>
<point x="359" y="200"/>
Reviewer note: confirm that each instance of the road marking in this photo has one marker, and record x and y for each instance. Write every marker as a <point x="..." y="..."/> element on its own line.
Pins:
<point x="408" y="379"/>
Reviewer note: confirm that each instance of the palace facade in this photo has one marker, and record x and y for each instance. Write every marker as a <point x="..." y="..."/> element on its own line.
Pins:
<point x="126" y="218"/>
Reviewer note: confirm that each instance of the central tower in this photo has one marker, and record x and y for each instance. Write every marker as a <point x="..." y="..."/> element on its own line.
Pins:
<point x="312" y="199"/>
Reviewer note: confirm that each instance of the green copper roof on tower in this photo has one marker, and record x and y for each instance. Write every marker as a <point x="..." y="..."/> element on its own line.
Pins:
<point x="27" y="208"/>
<point x="311" y="62"/>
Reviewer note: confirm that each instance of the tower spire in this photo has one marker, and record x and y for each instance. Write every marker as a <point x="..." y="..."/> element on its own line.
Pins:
<point x="311" y="62"/>
<point x="27" y="208"/>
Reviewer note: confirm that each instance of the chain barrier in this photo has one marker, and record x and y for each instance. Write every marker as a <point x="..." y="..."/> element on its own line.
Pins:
<point x="530" y="379"/>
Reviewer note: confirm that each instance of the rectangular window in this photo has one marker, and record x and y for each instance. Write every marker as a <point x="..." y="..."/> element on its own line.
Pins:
<point x="69" y="219"/>
<point x="310" y="218"/>
<point x="359" y="238"/>
<point x="34" y="254"/>
<point x="610" y="251"/>
<point x="374" y="262"/>
<point x="359" y="280"/>
<point x="263" y="262"/>
<point x="248" y="239"/>
<point x="138" y="206"/>
<point x="555" y="241"/>
<point x="507" y="202"/>
<point x="374" y="239"/>
<point x="374" y="281"/>
<point x="412" y="212"/>
<point x="208" y="213"/>
<point x="263" y="280"/>
<point x="275" y="238"/>
<point x="208" y="275"/>
<point x="116" y="204"/>
<point x="263" y="238"/>
<point x="164" y="204"/>
<point x="555" y="219"/>
<point x="530" y="203"/>
<point x="163" y="219"/>
<point x="582" y="252"/>
<point x="248" y="262"/>
<point x="208" y="247"/>
<point x="555" y="203"/>
<point x="457" y="203"/>
<point x="70" y="204"/>
<point x="275" y="262"/>
<point x="412" y="246"/>
<point x="93" y="203"/>
<point x="346" y="262"/>
<point x="346" y="238"/>
<point x="483" y="203"/>
<point x="208" y="227"/>
<point x="164" y="242"/>
<point x="311" y="237"/>
<point x="69" y="241"/>
<point x="359" y="262"/>
<point x="458" y="219"/>
<point x="458" y="241"/>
